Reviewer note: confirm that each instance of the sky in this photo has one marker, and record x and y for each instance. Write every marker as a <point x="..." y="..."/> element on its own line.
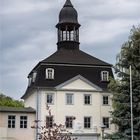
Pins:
<point x="28" y="34"/>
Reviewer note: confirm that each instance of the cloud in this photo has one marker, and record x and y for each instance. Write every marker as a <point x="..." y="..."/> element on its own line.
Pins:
<point x="28" y="34"/>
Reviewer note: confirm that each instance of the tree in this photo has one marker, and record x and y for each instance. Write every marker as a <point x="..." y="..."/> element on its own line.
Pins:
<point x="53" y="132"/>
<point x="129" y="55"/>
<point x="8" y="101"/>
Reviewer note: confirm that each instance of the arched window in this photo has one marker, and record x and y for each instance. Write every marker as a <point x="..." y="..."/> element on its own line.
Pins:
<point x="105" y="76"/>
<point x="49" y="73"/>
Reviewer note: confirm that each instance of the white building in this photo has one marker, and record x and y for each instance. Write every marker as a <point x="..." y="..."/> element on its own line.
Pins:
<point x="73" y="83"/>
<point x="15" y="123"/>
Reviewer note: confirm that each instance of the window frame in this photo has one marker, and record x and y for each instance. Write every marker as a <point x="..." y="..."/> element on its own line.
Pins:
<point x="50" y="120"/>
<point x="72" y="99"/>
<point x="104" y="76"/>
<point x="49" y="73"/>
<point x="90" y="102"/>
<point x="107" y="125"/>
<point x="47" y="98"/>
<point x="24" y="121"/>
<point x="87" y="125"/>
<point x="69" y="124"/>
<point x="105" y="102"/>
<point x="11" y="121"/>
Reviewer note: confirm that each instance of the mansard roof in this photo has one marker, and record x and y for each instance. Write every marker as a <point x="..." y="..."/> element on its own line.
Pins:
<point x="74" y="57"/>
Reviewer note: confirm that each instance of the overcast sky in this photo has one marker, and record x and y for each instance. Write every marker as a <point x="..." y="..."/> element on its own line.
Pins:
<point x="28" y="34"/>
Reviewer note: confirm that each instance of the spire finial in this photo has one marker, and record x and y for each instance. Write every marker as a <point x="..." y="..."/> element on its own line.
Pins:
<point x="68" y="4"/>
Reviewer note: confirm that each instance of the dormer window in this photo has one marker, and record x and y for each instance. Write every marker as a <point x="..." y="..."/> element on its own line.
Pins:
<point x="34" y="76"/>
<point x="29" y="80"/>
<point x="49" y="73"/>
<point x="105" y="76"/>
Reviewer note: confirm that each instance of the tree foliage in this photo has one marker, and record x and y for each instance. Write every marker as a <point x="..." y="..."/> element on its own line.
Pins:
<point x="129" y="55"/>
<point x="8" y="101"/>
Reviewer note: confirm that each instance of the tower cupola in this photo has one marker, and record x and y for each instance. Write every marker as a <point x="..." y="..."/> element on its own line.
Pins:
<point x="68" y="27"/>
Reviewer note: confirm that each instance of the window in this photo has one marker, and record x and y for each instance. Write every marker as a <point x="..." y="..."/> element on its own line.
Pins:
<point x="11" y="121"/>
<point x="23" y="121"/>
<point x="69" y="99"/>
<point x="87" y="122"/>
<point x="87" y="99"/>
<point x="106" y="121"/>
<point x="34" y="76"/>
<point x="50" y="98"/>
<point x="49" y="121"/>
<point x="105" y="100"/>
<point x="29" y="81"/>
<point x="69" y="122"/>
<point x="104" y="75"/>
<point x="49" y="73"/>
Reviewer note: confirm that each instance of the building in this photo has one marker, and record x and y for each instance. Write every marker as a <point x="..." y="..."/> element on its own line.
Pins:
<point x="73" y="83"/>
<point x="15" y="123"/>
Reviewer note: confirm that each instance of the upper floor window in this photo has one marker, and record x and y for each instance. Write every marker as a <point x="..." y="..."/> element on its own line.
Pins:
<point x="49" y="121"/>
<point x="87" y="122"/>
<point x="11" y="121"/>
<point x="34" y="76"/>
<point x="104" y="75"/>
<point x="49" y="73"/>
<point x="106" y="122"/>
<point x="105" y="100"/>
<point x="29" y="80"/>
<point x="69" y="122"/>
<point x="50" y="98"/>
<point x="87" y="99"/>
<point x="69" y="99"/>
<point x="23" y="121"/>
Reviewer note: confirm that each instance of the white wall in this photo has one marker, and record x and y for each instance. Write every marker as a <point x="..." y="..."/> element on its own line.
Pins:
<point x="16" y="133"/>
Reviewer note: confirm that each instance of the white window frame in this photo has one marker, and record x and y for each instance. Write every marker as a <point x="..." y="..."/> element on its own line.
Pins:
<point x="24" y="121"/>
<point x="90" y="122"/>
<point x="90" y="95"/>
<point x="104" y="76"/>
<point x="69" y="95"/>
<point x="104" y="104"/>
<point x="49" y="73"/>
<point x="50" y="94"/>
<point x="11" y="121"/>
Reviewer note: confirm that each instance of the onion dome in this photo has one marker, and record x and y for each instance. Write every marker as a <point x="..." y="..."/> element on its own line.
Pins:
<point x="68" y="14"/>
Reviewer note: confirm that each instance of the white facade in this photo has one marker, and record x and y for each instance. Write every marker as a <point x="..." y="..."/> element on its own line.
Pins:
<point x="78" y="87"/>
<point x="16" y="133"/>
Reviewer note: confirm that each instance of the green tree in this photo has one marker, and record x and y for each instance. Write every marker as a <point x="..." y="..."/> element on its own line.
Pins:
<point x="8" y="101"/>
<point x="121" y="116"/>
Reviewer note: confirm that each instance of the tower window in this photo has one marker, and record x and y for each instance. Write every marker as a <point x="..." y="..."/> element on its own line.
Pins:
<point x="104" y="75"/>
<point x="49" y="73"/>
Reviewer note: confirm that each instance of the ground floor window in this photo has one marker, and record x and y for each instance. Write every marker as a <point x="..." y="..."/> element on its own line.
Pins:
<point x="23" y="121"/>
<point x="11" y="121"/>
<point x="69" y="122"/>
<point x="106" y="122"/>
<point x="49" y="121"/>
<point x="87" y="122"/>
